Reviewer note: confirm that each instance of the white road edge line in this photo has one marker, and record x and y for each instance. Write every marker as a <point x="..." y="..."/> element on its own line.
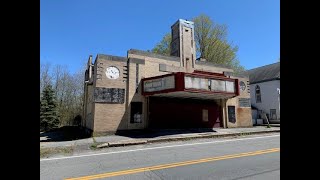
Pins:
<point x="160" y="147"/>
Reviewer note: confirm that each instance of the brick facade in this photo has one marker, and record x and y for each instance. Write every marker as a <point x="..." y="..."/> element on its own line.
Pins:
<point x="113" y="114"/>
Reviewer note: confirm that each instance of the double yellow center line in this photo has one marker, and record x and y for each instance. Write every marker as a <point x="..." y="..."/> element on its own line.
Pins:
<point x="172" y="165"/>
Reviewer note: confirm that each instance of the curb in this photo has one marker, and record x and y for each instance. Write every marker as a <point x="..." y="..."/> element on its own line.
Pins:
<point x="122" y="143"/>
<point x="167" y="139"/>
<point x="210" y="136"/>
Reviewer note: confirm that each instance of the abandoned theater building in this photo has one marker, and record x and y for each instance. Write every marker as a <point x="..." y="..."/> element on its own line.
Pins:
<point x="148" y="90"/>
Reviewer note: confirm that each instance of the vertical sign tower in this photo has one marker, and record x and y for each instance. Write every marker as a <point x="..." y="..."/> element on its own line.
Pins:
<point x="182" y="44"/>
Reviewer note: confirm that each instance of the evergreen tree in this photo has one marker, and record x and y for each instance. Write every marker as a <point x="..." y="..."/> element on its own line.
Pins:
<point x="49" y="118"/>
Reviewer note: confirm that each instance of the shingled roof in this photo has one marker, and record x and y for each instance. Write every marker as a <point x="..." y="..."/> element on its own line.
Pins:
<point x="264" y="73"/>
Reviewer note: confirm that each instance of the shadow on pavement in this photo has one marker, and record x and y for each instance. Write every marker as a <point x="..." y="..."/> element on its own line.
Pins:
<point x="69" y="133"/>
<point x="65" y="133"/>
<point x="151" y="133"/>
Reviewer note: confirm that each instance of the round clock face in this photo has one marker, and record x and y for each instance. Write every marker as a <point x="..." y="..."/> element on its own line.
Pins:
<point x="112" y="72"/>
<point x="242" y="85"/>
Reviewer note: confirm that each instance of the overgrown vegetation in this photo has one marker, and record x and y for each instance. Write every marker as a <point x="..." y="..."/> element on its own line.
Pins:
<point x="46" y="152"/>
<point x="211" y="43"/>
<point x="94" y="145"/>
<point x="68" y="89"/>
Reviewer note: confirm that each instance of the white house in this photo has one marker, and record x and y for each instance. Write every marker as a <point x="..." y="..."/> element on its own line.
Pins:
<point x="265" y="90"/>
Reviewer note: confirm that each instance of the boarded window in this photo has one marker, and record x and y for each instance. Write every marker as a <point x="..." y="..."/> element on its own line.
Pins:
<point x="205" y="116"/>
<point x="232" y="114"/>
<point x="136" y="112"/>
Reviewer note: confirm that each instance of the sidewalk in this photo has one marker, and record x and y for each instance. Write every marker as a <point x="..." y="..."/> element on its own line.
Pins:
<point x="158" y="136"/>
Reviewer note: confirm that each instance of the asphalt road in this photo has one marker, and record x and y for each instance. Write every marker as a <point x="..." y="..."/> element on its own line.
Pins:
<point x="251" y="157"/>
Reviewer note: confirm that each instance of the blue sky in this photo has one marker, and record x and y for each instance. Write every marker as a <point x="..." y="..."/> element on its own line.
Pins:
<point x="72" y="30"/>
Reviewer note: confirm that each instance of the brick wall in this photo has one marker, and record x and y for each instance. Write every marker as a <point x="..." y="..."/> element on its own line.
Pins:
<point x="107" y="116"/>
<point x="243" y="114"/>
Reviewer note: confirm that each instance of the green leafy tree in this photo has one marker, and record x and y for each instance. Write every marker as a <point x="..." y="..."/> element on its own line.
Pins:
<point x="49" y="118"/>
<point x="163" y="47"/>
<point x="211" y="43"/>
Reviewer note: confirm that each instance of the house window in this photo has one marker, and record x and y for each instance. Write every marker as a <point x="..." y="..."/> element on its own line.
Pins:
<point x="136" y="112"/>
<point x="258" y="94"/>
<point x="273" y="114"/>
<point x="232" y="114"/>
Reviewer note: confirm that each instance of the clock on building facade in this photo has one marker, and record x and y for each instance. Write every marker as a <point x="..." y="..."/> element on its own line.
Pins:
<point x="112" y="72"/>
<point x="242" y="86"/>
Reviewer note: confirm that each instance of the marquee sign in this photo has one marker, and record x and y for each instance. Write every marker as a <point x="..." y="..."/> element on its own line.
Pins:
<point x="170" y="84"/>
<point x="196" y="83"/>
<point x="209" y="84"/>
<point x="159" y="84"/>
